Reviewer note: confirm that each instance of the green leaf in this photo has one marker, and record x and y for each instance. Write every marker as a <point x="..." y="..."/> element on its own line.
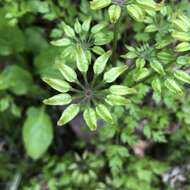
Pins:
<point x="90" y="118"/>
<point x="82" y="61"/>
<point x="157" y="66"/>
<point x="182" y="36"/>
<point x="60" y="100"/>
<point x="67" y="72"/>
<point x="117" y="100"/>
<point x="121" y="90"/>
<point x="99" y="4"/>
<point x="114" y="12"/>
<point x="77" y="26"/>
<point x="86" y="25"/>
<point x="61" y="42"/>
<point x="68" y="30"/>
<point x="147" y="4"/>
<point x="140" y="63"/>
<point x="101" y="62"/>
<point x="182" y="76"/>
<point x="37" y="133"/>
<point x="57" y="84"/>
<point x="114" y="73"/>
<point x="173" y="86"/>
<point x="184" y="46"/>
<point x="136" y="12"/>
<point x="103" y="112"/>
<point x="98" y="27"/>
<point x="69" y="113"/>
<point x="141" y="74"/>
<point x="156" y="85"/>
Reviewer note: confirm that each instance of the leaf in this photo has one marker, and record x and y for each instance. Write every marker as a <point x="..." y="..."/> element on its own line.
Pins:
<point x="69" y="113"/>
<point x="67" y="72"/>
<point x="184" y="46"/>
<point x="156" y="85"/>
<point x="86" y="25"/>
<point x="98" y="27"/>
<point x="61" y="42"/>
<point x="57" y="84"/>
<point x="135" y="12"/>
<point x="117" y="100"/>
<point x="68" y="30"/>
<point x="114" y="12"/>
<point x="99" y="4"/>
<point x="121" y="90"/>
<point x="140" y="63"/>
<point x="77" y="26"/>
<point x="157" y="66"/>
<point x="37" y="132"/>
<point x="173" y="86"/>
<point x="141" y="74"/>
<point x="114" y="73"/>
<point x="101" y="62"/>
<point x="60" y="100"/>
<point x="182" y="76"/>
<point x="103" y="113"/>
<point x="82" y="62"/>
<point x="147" y="4"/>
<point x="90" y="118"/>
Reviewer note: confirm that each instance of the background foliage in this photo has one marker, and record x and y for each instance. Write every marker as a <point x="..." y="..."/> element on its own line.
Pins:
<point x="121" y="69"/>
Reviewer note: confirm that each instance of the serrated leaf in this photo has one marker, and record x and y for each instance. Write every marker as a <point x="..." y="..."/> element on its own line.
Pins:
<point x="58" y="100"/>
<point x="37" y="133"/>
<point x="57" y="84"/>
<point x="114" y="73"/>
<point x="90" y="118"/>
<point x="101" y="62"/>
<point x="67" y="72"/>
<point x="69" y="113"/>
<point x="103" y="112"/>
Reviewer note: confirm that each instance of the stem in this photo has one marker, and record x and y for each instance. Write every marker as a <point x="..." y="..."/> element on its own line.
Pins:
<point x="115" y="40"/>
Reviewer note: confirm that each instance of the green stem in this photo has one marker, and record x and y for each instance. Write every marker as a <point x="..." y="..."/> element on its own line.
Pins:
<point x="115" y="40"/>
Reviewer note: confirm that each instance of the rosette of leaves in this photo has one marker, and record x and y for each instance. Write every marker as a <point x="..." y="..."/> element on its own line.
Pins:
<point x="90" y="38"/>
<point x="137" y="9"/>
<point x="83" y="92"/>
<point x="158" y="65"/>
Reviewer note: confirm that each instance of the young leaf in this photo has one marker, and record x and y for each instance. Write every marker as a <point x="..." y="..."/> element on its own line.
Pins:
<point x="141" y="74"/>
<point x="37" y="132"/>
<point x="99" y="4"/>
<point x="90" y="118"/>
<point x="114" y="12"/>
<point x="182" y="76"/>
<point x="98" y="27"/>
<point x="140" y="63"/>
<point x="114" y="73"/>
<point x="101" y="62"/>
<point x="57" y="84"/>
<point x="68" y="73"/>
<point x="103" y="113"/>
<point x="121" y="90"/>
<point x="58" y="100"/>
<point x="69" y="113"/>
<point x="117" y="100"/>
<point x="147" y="4"/>
<point x="82" y="61"/>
